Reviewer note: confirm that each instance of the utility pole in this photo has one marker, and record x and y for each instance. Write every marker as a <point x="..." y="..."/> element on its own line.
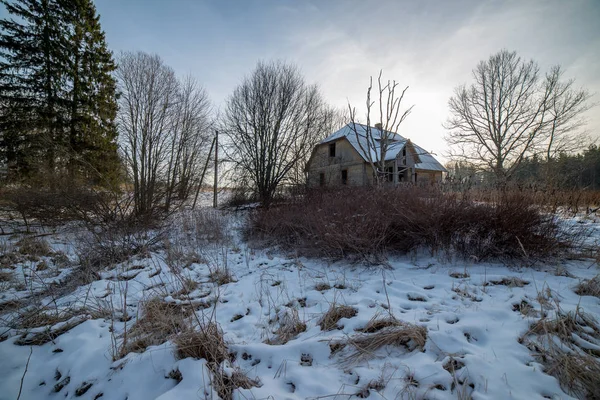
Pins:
<point x="216" y="168"/>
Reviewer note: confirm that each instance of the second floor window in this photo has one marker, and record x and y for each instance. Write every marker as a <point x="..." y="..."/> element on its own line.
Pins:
<point x="332" y="150"/>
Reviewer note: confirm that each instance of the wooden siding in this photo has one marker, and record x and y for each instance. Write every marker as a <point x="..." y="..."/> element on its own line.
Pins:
<point x="346" y="158"/>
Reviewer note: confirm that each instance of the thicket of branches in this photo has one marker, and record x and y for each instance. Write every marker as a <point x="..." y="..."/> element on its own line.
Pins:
<point x="164" y="131"/>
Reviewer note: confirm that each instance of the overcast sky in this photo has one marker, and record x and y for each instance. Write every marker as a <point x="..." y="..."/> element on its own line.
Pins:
<point x="431" y="46"/>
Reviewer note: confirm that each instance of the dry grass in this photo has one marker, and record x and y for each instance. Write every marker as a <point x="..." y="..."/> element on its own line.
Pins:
<point x="34" y="246"/>
<point x="510" y="281"/>
<point x="567" y="346"/>
<point x="377" y="323"/>
<point x="48" y="335"/>
<point x="322" y="286"/>
<point x="334" y="314"/>
<point x="290" y="326"/>
<point x="221" y="276"/>
<point x="227" y="383"/>
<point x="207" y="342"/>
<point x="405" y="335"/>
<point x="158" y="322"/>
<point x="6" y="276"/>
<point x="589" y="287"/>
<point x="579" y="374"/>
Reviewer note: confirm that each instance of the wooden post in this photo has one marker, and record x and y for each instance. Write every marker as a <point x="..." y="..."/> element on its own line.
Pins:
<point x="212" y="145"/>
<point x="216" y="168"/>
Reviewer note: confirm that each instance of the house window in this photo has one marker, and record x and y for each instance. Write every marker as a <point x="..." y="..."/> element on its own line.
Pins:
<point x="332" y="150"/>
<point x="389" y="175"/>
<point x="344" y="177"/>
<point x="322" y="179"/>
<point x="404" y="152"/>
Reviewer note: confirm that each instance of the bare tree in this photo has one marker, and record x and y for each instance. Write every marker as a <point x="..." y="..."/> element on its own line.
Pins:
<point x="270" y="122"/>
<point x="189" y="141"/>
<point x="375" y="145"/>
<point x="163" y="127"/>
<point x="512" y="112"/>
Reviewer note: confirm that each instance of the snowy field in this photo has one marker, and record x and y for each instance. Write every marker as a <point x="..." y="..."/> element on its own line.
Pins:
<point x="67" y="341"/>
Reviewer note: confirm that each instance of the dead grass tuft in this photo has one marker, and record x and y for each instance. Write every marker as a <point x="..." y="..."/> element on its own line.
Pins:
<point x="221" y="276"/>
<point x="510" y="281"/>
<point x="579" y="374"/>
<point x="322" y="286"/>
<point x="159" y="321"/>
<point x="34" y="246"/>
<point x="226" y="383"/>
<point x="49" y="334"/>
<point x="405" y="335"/>
<point x="290" y="326"/>
<point x="335" y="313"/>
<point x="207" y="342"/>
<point x="567" y="346"/>
<point x="6" y="276"/>
<point x="589" y="287"/>
<point x="376" y="324"/>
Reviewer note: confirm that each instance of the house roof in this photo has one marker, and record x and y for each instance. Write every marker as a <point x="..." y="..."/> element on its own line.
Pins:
<point x="427" y="161"/>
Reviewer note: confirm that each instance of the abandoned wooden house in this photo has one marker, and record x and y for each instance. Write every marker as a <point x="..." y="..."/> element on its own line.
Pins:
<point x="342" y="159"/>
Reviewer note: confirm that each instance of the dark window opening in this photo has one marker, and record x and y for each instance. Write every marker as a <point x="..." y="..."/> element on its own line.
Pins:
<point x="344" y="177"/>
<point x="332" y="150"/>
<point x="389" y="174"/>
<point x="321" y="179"/>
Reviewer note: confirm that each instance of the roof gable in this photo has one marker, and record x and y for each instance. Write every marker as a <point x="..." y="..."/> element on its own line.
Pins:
<point x="398" y="142"/>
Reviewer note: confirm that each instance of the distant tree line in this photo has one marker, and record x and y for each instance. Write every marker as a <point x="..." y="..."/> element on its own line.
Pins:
<point x="565" y="171"/>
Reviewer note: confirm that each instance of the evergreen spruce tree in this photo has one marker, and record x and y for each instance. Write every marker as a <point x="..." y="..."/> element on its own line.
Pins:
<point x="57" y="94"/>
<point x="32" y="59"/>
<point x="93" y="103"/>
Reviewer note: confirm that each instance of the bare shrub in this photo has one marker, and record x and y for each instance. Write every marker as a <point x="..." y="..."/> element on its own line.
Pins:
<point x="589" y="287"/>
<point x="57" y="200"/>
<point x="334" y="314"/>
<point x="114" y="243"/>
<point x="369" y="221"/>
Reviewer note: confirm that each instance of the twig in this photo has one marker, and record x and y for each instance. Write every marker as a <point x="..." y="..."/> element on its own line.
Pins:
<point x="25" y="372"/>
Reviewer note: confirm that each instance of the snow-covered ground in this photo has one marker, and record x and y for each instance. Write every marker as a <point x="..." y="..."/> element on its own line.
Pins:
<point x="474" y="313"/>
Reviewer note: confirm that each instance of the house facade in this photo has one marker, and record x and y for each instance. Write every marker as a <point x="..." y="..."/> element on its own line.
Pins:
<point x="342" y="159"/>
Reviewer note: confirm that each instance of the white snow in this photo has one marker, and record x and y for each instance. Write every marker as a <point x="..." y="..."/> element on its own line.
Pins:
<point x="467" y="318"/>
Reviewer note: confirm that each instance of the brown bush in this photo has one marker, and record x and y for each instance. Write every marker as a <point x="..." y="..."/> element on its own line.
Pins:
<point x="369" y="221"/>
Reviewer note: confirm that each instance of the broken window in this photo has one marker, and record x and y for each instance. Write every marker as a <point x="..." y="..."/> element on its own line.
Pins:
<point x="389" y="174"/>
<point x="321" y="179"/>
<point x="344" y="177"/>
<point x="332" y="150"/>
